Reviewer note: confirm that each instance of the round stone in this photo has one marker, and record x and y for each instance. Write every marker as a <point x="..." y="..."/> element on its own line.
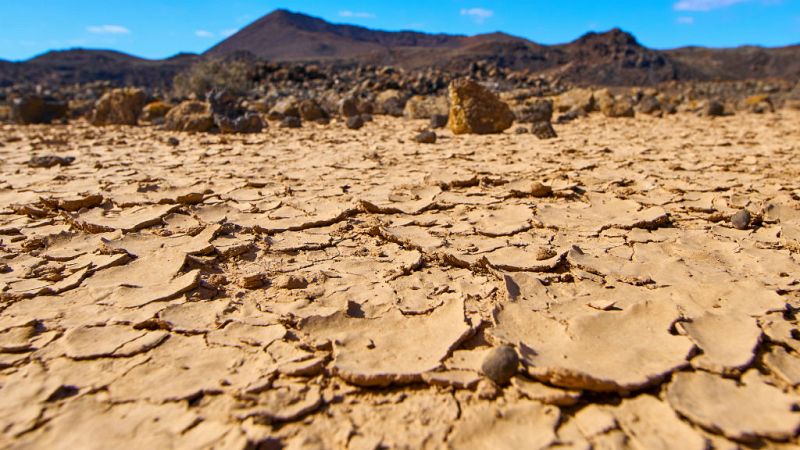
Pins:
<point x="741" y="220"/>
<point x="500" y="364"/>
<point x="426" y="137"/>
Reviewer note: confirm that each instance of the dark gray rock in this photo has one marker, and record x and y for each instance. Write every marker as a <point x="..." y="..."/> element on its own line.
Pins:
<point x="426" y="137"/>
<point x="438" y="121"/>
<point x="354" y="123"/>
<point x="741" y="220"/>
<point x="500" y="364"/>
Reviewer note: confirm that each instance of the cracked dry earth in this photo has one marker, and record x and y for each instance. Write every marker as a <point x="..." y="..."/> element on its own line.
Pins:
<point x="328" y="288"/>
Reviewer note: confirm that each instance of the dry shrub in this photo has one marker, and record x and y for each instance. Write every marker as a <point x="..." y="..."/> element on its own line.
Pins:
<point x="234" y="75"/>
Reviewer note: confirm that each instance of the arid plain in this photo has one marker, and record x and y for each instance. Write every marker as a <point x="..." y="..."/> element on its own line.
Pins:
<point x="323" y="287"/>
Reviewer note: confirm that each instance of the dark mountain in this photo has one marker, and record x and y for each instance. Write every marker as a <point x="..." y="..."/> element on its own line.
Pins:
<point x="611" y="58"/>
<point x="84" y="66"/>
<point x="614" y="57"/>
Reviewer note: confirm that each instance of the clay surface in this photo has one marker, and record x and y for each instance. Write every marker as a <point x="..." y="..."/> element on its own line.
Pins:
<point x="325" y="287"/>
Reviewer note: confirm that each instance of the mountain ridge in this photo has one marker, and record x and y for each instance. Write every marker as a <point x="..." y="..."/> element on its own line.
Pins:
<point x="614" y="57"/>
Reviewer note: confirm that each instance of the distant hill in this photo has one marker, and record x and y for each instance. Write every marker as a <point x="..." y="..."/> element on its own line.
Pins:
<point x="611" y="58"/>
<point x="84" y="66"/>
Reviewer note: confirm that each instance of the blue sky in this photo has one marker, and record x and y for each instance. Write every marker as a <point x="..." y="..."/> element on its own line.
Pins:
<point x="157" y="29"/>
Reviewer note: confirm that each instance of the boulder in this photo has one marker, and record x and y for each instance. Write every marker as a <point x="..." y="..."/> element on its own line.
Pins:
<point x="613" y="106"/>
<point x="650" y="105"/>
<point x="311" y="111"/>
<point x="249" y="122"/>
<point x="713" y="108"/>
<point x="34" y="109"/>
<point x="475" y="109"/>
<point x="580" y="99"/>
<point x="119" y="107"/>
<point x="534" y="110"/>
<point x="286" y="107"/>
<point x="543" y="130"/>
<point x="155" y="111"/>
<point x="390" y="103"/>
<point x="759" y="104"/>
<point x="348" y="107"/>
<point x="424" y="107"/>
<point x="192" y="116"/>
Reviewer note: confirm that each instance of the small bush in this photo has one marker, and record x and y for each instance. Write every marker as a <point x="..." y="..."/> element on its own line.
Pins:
<point x="236" y="76"/>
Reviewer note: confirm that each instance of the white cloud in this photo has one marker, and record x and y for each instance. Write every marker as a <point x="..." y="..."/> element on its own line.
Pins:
<point x="204" y="34"/>
<point x="479" y="15"/>
<point x="685" y="20"/>
<point x="229" y="32"/>
<point x="356" y="15"/>
<point x="704" y="5"/>
<point x="108" y="29"/>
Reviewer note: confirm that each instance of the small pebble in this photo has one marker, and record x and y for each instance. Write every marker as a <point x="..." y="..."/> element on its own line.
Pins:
<point x="539" y="190"/>
<point x="500" y="364"/>
<point x="741" y="220"/>
<point x="426" y="137"/>
<point x="173" y="141"/>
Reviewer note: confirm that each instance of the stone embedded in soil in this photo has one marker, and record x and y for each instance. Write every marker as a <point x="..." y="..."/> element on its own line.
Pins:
<point x="425" y="137"/>
<point x="743" y="411"/>
<point x="741" y="219"/>
<point x="500" y="364"/>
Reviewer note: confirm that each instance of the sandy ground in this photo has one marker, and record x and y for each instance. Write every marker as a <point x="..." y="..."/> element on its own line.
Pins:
<point x="328" y="288"/>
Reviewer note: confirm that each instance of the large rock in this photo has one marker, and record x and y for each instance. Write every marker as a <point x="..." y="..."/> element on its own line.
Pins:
<point x="475" y="109"/>
<point x="286" y="107"/>
<point x="119" y="107"/>
<point x="575" y="99"/>
<point x="535" y="110"/>
<point x="190" y="116"/>
<point x="155" y="111"/>
<point x="390" y="103"/>
<point x="613" y="106"/>
<point x="424" y="107"/>
<point x="759" y="104"/>
<point x="249" y="122"/>
<point x="33" y="109"/>
<point x="311" y="111"/>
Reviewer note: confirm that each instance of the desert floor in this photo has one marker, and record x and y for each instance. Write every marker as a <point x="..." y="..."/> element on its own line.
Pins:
<point x="330" y="288"/>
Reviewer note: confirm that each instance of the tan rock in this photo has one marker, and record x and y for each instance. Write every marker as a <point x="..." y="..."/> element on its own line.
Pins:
<point x="474" y="109"/>
<point x="423" y="107"/>
<point x="192" y="116"/>
<point x="119" y="107"/>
